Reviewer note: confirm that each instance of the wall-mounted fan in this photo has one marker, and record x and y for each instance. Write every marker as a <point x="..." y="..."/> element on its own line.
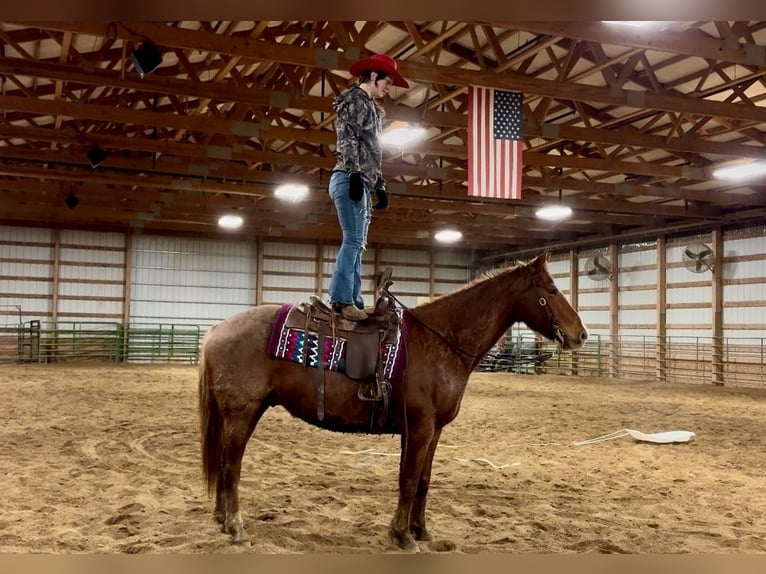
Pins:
<point x="698" y="257"/>
<point x="598" y="268"/>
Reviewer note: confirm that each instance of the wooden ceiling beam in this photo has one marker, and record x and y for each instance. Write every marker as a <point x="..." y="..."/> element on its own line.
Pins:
<point x="414" y="71"/>
<point x="689" y="43"/>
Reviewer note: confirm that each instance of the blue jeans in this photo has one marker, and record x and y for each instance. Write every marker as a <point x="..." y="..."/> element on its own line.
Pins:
<point x="354" y="219"/>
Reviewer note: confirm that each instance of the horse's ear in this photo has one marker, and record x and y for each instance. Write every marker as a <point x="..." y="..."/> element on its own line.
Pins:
<point x="541" y="260"/>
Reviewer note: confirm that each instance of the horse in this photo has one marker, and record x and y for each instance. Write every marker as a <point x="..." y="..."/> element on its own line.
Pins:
<point x="446" y="338"/>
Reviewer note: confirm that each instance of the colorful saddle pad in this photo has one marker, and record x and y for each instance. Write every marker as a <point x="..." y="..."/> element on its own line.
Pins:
<point x="293" y="344"/>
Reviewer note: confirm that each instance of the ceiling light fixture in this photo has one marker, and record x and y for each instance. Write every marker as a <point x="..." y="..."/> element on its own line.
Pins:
<point x="401" y="133"/>
<point x="230" y="221"/>
<point x="741" y="170"/>
<point x="448" y="236"/>
<point x="554" y="212"/>
<point x="292" y="192"/>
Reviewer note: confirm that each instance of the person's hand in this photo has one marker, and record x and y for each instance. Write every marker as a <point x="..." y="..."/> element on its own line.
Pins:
<point x="380" y="192"/>
<point x="355" y="186"/>
<point x="382" y="199"/>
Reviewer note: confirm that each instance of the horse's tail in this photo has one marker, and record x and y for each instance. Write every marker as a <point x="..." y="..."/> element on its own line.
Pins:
<point x="210" y="423"/>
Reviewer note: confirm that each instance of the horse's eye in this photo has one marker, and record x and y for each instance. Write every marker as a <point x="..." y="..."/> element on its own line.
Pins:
<point x="553" y="290"/>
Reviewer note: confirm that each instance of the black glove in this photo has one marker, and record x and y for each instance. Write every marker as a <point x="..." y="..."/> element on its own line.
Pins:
<point x="382" y="199"/>
<point x="355" y="186"/>
<point x="380" y="191"/>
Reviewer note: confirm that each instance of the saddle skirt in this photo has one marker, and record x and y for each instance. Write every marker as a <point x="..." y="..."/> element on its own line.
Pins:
<point x="312" y="335"/>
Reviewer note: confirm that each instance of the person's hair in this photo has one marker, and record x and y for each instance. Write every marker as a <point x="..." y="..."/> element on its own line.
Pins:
<point x="367" y="76"/>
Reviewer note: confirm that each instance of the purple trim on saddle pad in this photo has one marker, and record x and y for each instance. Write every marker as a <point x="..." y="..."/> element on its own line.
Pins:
<point x="277" y="328"/>
<point x="293" y="345"/>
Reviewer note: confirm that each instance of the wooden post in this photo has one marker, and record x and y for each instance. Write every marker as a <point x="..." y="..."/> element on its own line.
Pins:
<point x="127" y="278"/>
<point x="574" y="291"/>
<point x="717" y="296"/>
<point x="259" y="270"/>
<point x="431" y="274"/>
<point x="56" y="275"/>
<point x="662" y="312"/>
<point x="319" y="270"/>
<point x="614" y="313"/>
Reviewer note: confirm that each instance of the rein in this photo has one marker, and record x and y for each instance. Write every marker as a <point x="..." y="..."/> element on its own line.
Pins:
<point x="450" y="344"/>
<point x="558" y="333"/>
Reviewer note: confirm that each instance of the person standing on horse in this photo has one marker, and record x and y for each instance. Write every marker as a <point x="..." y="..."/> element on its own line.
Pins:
<point x="357" y="173"/>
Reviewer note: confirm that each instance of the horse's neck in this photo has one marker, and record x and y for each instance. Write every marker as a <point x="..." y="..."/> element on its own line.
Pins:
<point x="475" y="317"/>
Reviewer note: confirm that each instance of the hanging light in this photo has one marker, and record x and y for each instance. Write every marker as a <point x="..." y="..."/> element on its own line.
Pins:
<point x="741" y="170"/>
<point x="557" y="211"/>
<point x="292" y="192"/>
<point x="230" y="221"/>
<point x="401" y="133"/>
<point x="554" y="212"/>
<point x="448" y="235"/>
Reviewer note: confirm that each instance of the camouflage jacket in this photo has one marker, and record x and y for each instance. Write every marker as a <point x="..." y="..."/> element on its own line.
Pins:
<point x="359" y="131"/>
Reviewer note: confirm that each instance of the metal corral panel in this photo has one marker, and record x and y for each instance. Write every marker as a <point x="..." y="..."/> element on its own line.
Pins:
<point x="643" y="335"/>
<point x="191" y="281"/>
<point x="688" y="337"/>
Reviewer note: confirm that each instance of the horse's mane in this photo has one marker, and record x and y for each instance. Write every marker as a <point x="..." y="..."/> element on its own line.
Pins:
<point x="485" y="275"/>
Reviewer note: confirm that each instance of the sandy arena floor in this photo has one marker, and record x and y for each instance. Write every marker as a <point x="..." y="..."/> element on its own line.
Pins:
<point x="105" y="459"/>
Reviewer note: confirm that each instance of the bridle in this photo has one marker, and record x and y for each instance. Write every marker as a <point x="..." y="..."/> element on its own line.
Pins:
<point x="558" y="334"/>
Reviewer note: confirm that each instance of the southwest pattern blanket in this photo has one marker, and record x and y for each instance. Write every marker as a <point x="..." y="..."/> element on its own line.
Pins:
<point x="301" y="347"/>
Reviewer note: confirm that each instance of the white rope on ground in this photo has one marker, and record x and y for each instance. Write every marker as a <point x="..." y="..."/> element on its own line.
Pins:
<point x="488" y="462"/>
<point x="657" y="438"/>
<point x="369" y="451"/>
<point x="666" y="437"/>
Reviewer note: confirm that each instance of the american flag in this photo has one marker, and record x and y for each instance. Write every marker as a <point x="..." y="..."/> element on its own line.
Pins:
<point x="494" y="143"/>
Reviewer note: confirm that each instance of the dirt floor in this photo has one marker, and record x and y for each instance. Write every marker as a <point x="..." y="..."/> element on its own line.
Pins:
<point x="105" y="459"/>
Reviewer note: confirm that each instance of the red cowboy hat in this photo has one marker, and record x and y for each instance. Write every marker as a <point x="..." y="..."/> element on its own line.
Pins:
<point x="379" y="63"/>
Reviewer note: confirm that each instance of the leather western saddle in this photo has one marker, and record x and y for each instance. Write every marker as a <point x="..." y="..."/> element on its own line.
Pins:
<point x="364" y="340"/>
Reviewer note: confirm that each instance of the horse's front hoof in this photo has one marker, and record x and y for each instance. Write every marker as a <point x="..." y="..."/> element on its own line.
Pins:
<point x="421" y="534"/>
<point x="239" y="535"/>
<point x="405" y="541"/>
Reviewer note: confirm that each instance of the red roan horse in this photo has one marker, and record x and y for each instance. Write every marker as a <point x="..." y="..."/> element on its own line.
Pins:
<point x="239" y="381"/>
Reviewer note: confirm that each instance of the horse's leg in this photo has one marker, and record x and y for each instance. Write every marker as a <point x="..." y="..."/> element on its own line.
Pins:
<point x="414" y="448"/>
<point x="237" y="429"/>
<point x="418" y="514"/>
